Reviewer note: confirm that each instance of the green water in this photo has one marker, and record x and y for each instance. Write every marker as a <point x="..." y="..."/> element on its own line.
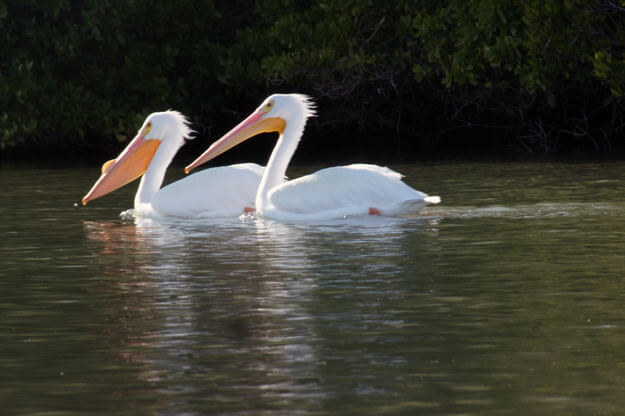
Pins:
<point x="508" y="298"/>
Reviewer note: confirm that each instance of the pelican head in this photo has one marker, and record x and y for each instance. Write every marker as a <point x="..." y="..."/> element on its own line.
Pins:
<point x="275" y="114"/>
<point x="156" y="143"/>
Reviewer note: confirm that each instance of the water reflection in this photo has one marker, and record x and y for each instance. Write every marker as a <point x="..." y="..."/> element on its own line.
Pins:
<point x="243" y="301"/>
<point x="508" y="296"/>
<point x="209" y="315"/>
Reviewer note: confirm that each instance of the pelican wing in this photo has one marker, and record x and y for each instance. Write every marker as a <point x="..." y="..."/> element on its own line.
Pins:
<point x="216" y="192"/>
<point x="347" y="190"/>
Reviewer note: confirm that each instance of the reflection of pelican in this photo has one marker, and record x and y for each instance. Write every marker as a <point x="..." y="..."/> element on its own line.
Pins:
<point x="170" y="285"/>
<point x="221" y="191"/>
<point x="329" y="193"/>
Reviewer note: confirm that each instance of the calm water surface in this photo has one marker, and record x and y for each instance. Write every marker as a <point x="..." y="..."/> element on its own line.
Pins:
<point x="508" y="298"/>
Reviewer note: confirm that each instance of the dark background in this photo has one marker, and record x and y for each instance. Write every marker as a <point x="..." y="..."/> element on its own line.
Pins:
<point x="398" y="80"/>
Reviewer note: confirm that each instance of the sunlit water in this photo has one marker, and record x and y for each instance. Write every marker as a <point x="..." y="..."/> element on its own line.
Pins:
<point x="508" y="298"/>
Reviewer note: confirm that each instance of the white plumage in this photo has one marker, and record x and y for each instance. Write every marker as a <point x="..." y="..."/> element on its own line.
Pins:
<point x="342" y="191"/>
<point x="216" y="192"/>
<point x="331" y="193"/>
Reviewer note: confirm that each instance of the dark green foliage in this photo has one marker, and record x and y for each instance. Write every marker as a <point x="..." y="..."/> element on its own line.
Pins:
<point x="86" y="70"/>
<point x="550" y="73"/>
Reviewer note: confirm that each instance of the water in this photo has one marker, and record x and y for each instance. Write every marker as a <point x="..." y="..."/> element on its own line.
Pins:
<point x="506" y="299"/>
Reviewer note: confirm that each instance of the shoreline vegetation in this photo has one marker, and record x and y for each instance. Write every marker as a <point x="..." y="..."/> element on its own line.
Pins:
<point x="395" y="80"/>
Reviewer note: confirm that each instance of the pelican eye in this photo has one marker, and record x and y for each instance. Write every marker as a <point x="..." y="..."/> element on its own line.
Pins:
<point x="148" y="127"/>
<point x="269" y="106"/>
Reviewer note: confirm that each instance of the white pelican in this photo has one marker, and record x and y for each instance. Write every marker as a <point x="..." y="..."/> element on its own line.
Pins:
<point x="327" y="194"/>
<point x="216" y="192"/>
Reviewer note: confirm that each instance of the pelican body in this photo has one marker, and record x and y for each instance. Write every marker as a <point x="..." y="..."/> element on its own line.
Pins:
<point x="216" y="192"/>
<point x="331" y="193"/>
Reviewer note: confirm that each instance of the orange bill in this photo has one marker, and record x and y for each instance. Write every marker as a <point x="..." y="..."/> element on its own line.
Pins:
<point x="251" y="126"/>
<point x="131" y="164"/>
